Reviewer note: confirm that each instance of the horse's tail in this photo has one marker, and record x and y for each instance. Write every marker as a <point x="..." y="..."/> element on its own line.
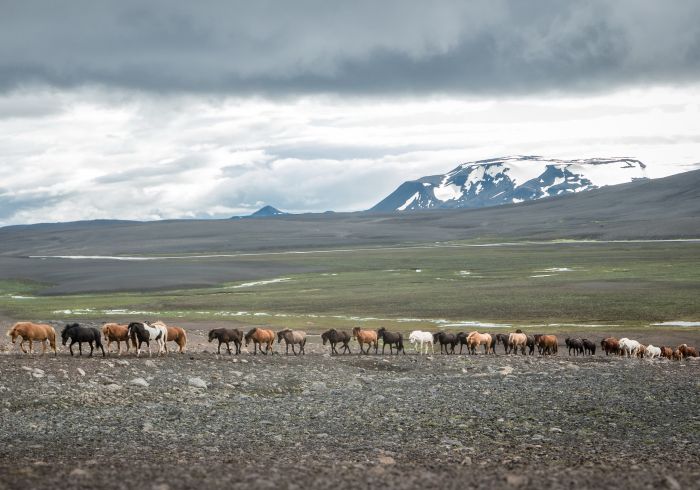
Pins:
<point x="182" y="340"/>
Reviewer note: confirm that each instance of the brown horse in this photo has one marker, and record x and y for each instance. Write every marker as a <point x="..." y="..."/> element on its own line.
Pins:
<point x="175" y="334"/>
<point x="611" y="345"/>
<point x="115" y="332"/>
<point x="687" y="351"/>
<point x="548" y="344"/>
<point x="260" y="336"/>
<point x="677" y="355"/>
<point x="31" y="332"/>
<point x="368" y="337"/>
<point x="667" y="352"/>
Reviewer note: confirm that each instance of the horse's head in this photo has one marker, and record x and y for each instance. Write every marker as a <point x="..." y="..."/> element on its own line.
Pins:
<point x="436" y="336"/>
<point x="281" y="333"/>
<point x="12" y="333"/>
<point x="355" y="331"/>
<point x="211" y="335"/>
<point x="324" y="336"/>
<point x="381" y="332"/>
<point x="249" y="335"/>
<point x="65" y="334"/>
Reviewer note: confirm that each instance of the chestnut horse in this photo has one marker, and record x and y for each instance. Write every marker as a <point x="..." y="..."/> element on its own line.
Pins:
<point x="31" y="332"/>
<point x="666" y="352"/>
<point x="114" y="332"/>
<point x="610" y="345"/>
<point x="475" y="339"/>
<point x="368" y="337"/>
<point x="687" y="351"/>
<point x="175" y="334"/>
<point x="548" y="344"/>
<point x="261" y="336"/>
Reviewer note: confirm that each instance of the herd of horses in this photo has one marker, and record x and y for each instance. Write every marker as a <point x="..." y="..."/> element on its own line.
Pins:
<point x="136" y="334"/>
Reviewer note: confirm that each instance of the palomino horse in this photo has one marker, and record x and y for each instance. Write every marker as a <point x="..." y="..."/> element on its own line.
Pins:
<point x="175" y="334"/>
<point x="475" y="339"/>
<point x="629" y="347"/>
<point x="420" y="338"/>
<point x="261" y="336"/>
<point x="142" y="332"/>
<point x="31" y="332"/>
<point x="447" y="341"/>
<point x="335" y="337"/>
<point x="226" y="335"/>
<point x="517" y="340"/>
<point x="368" y="337"/>
<point x="79" y="334"/>
<point x="391" y="339"/>
<point x="292" y="337"/>
<point x="611" y="345"/>
<point x="548" y="344"/>
<point x="114" y="332"/>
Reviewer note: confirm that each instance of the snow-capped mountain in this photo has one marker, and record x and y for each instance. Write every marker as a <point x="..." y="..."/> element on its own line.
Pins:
<point x="508" y="180"/>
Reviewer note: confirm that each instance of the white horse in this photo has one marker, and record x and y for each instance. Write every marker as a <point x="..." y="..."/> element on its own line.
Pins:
<point x="629" y="347"/>
<point x="420" y="337"/>
<point x="653" y="351"/>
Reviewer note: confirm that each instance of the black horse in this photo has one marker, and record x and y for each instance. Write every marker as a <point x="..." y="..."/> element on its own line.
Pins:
<point x="588" y="347"/>
<point x="391" y="338"/>
<point x="78" y="334"/>
<point x="574" y="344"/>
<point x="335" y="337"/>
<point x="461" y="340"/>
<point x="531" y="344"/>
<point x="492" y="347"/>
<point x="502" y="338"/>
<point x="448" y="341"/>
<point x="226" y="335"/>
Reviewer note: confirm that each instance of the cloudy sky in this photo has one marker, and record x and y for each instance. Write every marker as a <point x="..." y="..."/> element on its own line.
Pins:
<point x="166" y="109"/>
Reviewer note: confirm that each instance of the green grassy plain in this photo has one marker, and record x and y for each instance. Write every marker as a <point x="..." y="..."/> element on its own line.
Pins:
<point x="622" y="284"/>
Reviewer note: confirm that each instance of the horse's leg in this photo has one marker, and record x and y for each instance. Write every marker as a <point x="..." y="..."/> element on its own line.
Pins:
<point x="91" y="349"/>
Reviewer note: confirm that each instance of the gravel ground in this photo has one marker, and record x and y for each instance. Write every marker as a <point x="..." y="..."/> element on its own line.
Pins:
<point x="348" y="422"/>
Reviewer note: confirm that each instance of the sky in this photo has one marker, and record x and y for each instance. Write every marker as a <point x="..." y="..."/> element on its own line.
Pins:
<point x="166" y="109"/>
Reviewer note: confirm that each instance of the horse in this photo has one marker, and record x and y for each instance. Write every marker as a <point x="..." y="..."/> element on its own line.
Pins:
<point x="114" y="332"/>
<point x="423" y="338"/>
<point x="334" y="337"/>
<point x="503" y="339"/>
<point x="653" y="351"/>
<point x="292" y="337"/>
<point x="448" y="341"/>
<point x="666" y="352"/>
<point x="677" y="355"/>
<point x="142" y="332"/>
<point x="475" y="339"/>
<point x="588" y="347"/>
<point x="368" y="337"/>
<point x="225" y="336"/>
<point x="391" y="338"/>
<point x="31" y="332"/>
<point x="574" y="344"/>
<point x="687" y="351"/>
<point x="79" y="334"/>
<point x="530" y="345"/>
<point x="610" y="345"/>
<point x="492" y="345"/>
<point x="517" y="340"/>
<point x="175" y="334"/>
<point x="261" y="336"/>
<point x="642" y="351"/>
<point x="629" y="347"/>
<point x="548" y="345"/>
<point x="537" y="337"/>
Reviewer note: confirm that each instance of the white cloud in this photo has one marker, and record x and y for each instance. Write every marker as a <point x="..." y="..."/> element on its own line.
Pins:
<point x="86" y="154"/>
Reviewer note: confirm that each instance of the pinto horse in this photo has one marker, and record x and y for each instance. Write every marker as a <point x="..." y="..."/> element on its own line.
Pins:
<point x="418" y="337"/>
<point x="79" y="334"/>
<point x="31" y="332"/>
<point x="114" y="332"/>
<point x="292" y="337"/>
<point x="475" y="339"/>
<point x="175" y="334"/>
<point x="548" y="344"/>
<point x="391" y="339"/>
<point x="611" y="345"/>
<point x="335" y="337"/>
<point x="368" y="337"/>
<point x="447" y="341"/>
<point x="142" y="332"/>
<point x="226" y="335"/>
<point x="261" y="336"/>
<point x="517" y="340"/>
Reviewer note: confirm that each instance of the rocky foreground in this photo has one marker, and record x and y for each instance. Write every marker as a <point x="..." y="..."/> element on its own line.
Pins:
<point x="199" y="420"/>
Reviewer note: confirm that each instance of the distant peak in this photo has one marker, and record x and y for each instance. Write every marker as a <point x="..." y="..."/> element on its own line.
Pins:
<point x="267" y="211"/>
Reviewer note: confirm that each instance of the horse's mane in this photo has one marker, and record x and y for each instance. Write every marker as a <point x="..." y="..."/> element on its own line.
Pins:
<point x="250" y="333"/>
<point x="69" y="325"/>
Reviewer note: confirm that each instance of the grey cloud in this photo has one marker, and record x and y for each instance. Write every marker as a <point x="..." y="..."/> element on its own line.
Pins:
<point x="147" y="172"/>
<point x="364" y="47"/>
